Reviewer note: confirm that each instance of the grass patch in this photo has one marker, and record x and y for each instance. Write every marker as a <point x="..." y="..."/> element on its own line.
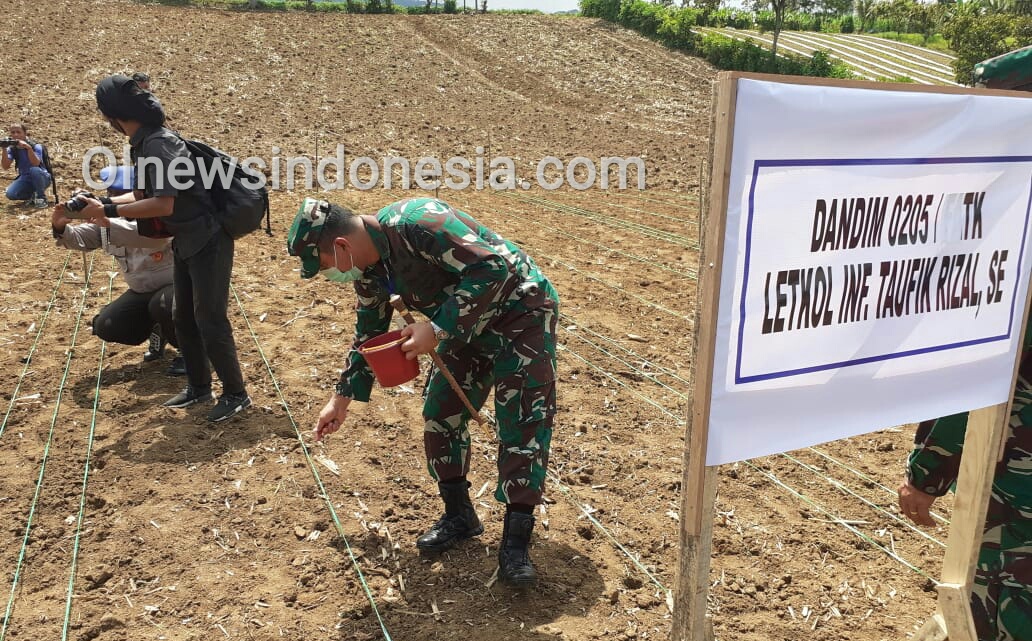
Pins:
<point x="936" y="42"/>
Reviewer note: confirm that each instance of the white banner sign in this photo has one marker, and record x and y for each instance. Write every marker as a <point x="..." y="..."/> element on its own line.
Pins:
<point x="875" y="262"/>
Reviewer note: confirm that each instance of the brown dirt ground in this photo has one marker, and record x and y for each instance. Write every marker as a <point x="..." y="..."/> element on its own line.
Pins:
<point x="192" y="532"/>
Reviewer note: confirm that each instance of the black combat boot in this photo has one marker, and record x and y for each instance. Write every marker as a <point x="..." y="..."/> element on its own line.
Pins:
<point x="459" y="522"/>
<point x="514" y="566"/>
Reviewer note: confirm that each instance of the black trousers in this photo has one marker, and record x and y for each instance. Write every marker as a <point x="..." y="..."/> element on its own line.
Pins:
<point x="202" y="325"/>
<point x="130" y="317"/>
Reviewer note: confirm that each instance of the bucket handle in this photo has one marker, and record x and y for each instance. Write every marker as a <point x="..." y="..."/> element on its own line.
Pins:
<point x="380" y="348"/>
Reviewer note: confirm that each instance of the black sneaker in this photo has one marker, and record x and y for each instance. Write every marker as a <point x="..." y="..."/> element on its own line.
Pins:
<point x="229" y="405"/>
<point x="189" y="396"/>
<point x="178" y="367"/>
<point x="155" y="345"/>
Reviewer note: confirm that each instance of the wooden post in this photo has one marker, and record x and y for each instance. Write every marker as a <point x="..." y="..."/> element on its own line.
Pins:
<point x="698" y="485"/>
<point x="986" y="430"/>
<point x="984" y="440"/>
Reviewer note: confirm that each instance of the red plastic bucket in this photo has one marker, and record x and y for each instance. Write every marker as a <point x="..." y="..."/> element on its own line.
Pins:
<point x="388" y="362"/>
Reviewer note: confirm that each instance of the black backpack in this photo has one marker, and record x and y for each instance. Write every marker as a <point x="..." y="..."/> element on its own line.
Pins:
<point x="239" y="208"/>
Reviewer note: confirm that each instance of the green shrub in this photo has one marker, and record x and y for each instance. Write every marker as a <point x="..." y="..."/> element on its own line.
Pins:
<point x="605" y="9"/>
<point x="450" y="6"/>
<point x="644" y="17"/>
<point x="796" y="21"/>
<point x="765" y="20"/>
<point x="733" y="18"/>
<point x="976" y="38"/>
<point x="676" y="30"/>
<point x="822" y="65"/>
<point x="746" y="55"/>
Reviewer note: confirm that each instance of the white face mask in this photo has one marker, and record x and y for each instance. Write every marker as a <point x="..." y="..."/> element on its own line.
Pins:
<point x="334" y="274"/>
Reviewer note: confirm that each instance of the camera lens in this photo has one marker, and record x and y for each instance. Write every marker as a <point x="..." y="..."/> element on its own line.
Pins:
<point x="75" y="204"/>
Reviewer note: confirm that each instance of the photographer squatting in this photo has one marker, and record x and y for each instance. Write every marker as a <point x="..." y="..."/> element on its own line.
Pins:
<point x="28" y="157"/>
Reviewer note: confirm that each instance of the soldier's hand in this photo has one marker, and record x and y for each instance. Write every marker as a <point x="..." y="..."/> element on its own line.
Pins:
<point x="421" y="339"/>
<point x="915" y="504"/>
<point x="332" y="416"/>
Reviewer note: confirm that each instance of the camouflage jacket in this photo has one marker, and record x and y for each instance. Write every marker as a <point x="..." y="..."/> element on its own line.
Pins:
<point x="935" y="462"/>
<point x="443" y="263"/>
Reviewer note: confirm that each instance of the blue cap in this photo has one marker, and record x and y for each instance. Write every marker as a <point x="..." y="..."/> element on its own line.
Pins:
<point x="123" y="179"/>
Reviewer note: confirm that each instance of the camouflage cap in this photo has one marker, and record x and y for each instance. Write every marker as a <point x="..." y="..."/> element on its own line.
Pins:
<point x="304" y="234"/>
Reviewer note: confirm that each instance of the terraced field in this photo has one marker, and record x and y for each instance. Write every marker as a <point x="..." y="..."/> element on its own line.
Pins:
<point x="869" y="57"/>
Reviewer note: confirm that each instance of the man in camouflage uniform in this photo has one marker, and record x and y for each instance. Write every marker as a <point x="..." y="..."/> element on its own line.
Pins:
<point x="492" y="320"/>
<point x="1001" y="599"/>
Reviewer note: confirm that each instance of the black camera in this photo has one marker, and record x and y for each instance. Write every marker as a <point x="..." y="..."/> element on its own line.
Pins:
<point x="75" y="203"/>
<point x="8" y="142"/>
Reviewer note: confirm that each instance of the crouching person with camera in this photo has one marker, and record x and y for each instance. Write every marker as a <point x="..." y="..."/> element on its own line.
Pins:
<point x="30" y="159"/>
<point x="146" y="265"/>
<point x="170" y="205"/>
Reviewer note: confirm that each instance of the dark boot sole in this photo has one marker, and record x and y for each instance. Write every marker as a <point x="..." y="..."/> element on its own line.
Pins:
<point x="519" y="583"/>
<point x="451" y="542"/>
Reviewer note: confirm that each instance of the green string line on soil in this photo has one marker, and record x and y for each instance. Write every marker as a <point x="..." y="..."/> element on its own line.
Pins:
<point x="46" y="455"/>
<point x="874" y="506"/>
<point x="835" y="519"/>
<point x="35" y="342"/>
<point x="85" y="481"/>
<point x="650" y="377"/>
<point x="634" y="370"/>
<point x="643" y="301"/>
<point x="575" y="501"/>
<point x="622" y="225"/>
<point x="838" y="484"/>
<point x="693" y="207"/>
<point x="611" y="221"/>
<point x="871" y="481"/>
<point x="678" y="419"/>
<point x="687" y="318"/>
<point x="585" y="510"/>
<point x="631" y="353"/>
<point x="678" y="219"/>
<point x="312" y="468"/>
<point x="685" y="273"/>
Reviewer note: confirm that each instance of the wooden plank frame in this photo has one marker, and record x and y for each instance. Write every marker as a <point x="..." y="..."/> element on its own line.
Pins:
<point x="988" y="427"/>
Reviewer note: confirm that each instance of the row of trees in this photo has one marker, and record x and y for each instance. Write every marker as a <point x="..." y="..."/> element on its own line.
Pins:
<point x="975" y="29"/>
<point x="370" y="6"/>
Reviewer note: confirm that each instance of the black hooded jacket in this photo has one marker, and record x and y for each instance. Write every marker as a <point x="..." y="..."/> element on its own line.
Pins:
<point x="155" y="152"/>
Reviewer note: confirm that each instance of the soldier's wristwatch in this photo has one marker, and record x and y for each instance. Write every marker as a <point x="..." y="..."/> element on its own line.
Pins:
<point x="441" y="334"/>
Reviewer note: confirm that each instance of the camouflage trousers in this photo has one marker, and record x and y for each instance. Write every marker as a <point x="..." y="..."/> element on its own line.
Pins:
<point x="1001" y="598"/>
<point x="516" y="357"/>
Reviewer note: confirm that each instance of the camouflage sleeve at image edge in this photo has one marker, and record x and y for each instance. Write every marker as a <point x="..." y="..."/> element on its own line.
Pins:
<point x="934" y="464"/>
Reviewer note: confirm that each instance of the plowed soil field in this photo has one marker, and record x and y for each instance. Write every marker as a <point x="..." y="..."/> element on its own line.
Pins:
<point x="248" y="530"/>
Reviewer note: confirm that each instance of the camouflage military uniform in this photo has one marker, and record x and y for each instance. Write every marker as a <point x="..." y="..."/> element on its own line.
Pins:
<point x="1001" y="600"/>
<point x="500" y="313"/>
